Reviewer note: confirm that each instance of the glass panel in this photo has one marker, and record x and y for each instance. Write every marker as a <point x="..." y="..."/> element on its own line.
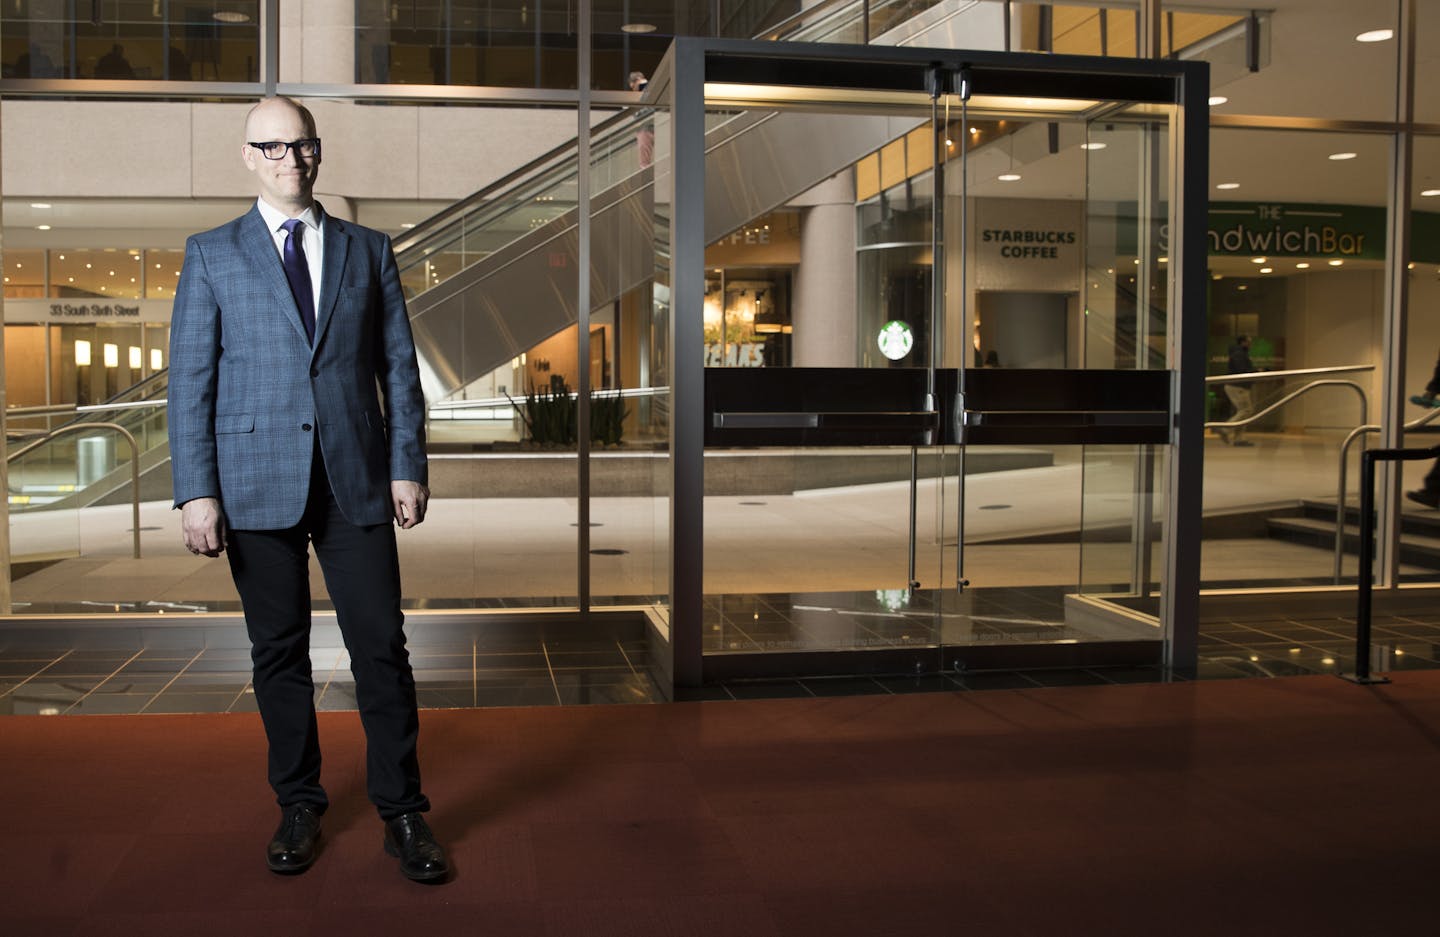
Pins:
<point x="24" y="274"/>
<point x="629" y="464"/>
<point x="808" y="547"/>
<point x="1127" y="163"/>
<point x="1297" y="49"/>
<point x="1297" y="254"/>
<point x="131" y="39"/>
<point x="162" y="272"/>
<point x="104" y="274"/>
<point x="1422" y="370"/>
<point x="1427" y="68"/>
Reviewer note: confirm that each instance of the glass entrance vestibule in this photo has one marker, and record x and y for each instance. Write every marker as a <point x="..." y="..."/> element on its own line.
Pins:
<point x="986" y="447"/>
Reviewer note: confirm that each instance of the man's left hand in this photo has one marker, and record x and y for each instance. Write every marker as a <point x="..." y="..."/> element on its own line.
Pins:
<point x="409" y="500"/>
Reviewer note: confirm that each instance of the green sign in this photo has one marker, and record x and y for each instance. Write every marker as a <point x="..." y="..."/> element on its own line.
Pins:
<point x="1297" y="229"/>
<point x="1350" y="232"/>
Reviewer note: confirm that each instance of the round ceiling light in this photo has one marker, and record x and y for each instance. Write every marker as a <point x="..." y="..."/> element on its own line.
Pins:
<point x="637" y="28"/>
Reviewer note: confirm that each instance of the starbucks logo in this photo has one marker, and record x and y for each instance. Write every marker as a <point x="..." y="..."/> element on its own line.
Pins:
<point x="895" y="340"/>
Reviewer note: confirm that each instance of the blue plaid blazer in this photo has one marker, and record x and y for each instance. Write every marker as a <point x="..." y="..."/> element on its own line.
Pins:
<point x="248" y="393"/>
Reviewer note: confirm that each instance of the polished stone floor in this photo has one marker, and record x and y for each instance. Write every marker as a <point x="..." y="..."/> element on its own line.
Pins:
<point x="467" y="671"/>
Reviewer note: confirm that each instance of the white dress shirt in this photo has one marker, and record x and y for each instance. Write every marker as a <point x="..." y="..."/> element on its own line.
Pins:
<point x="312" y="239"/>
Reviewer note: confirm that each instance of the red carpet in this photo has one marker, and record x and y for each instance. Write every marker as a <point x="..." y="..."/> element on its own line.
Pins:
<point x="1300" y="806"/>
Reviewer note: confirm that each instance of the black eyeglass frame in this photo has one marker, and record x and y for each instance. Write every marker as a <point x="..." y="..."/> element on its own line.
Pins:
<point x="286" y="152"/>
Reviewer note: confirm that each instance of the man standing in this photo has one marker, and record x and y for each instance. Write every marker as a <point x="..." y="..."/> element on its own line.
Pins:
<point x="286" y="323"/>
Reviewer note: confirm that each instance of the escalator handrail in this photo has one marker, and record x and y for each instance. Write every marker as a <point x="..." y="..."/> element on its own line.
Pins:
<point x="437" y="222"/>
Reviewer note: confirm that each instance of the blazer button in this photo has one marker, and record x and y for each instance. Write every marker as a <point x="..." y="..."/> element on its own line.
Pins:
<point x="305" y="427"/>
<point x="314" y="372"/>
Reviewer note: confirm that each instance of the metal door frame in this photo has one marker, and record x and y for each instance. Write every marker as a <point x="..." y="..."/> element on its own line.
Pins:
<point x="869" y="72"/>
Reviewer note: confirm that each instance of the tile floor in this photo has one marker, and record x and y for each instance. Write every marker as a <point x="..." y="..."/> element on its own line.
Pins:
<point x="478" y="672"/>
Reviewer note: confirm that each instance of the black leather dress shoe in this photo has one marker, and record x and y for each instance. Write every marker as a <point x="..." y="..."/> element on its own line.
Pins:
<point x="292" y="849"/>
<point x="408" y="836"/>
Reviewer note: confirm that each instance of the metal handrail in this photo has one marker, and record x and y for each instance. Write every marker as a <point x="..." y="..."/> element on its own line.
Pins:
<point x="1365" y="574"/>
<point x="1344" y="448"/>
<point x="1340" y="506"/>
<point x="1276" y="405"/>
<point x="1253" y="376"/>
<point x="134" y="464"/>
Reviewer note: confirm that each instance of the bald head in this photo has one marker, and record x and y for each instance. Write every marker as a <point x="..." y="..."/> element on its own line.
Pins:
<point x="276" y="107"/>
<point x="287" y="181"/>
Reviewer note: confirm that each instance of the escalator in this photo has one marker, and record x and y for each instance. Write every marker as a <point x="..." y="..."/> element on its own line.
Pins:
<point x="86" y="460"/>
<point x="495" y="275"/>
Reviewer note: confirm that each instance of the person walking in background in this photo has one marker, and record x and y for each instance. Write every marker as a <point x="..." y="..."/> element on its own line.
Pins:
<point x="1429" y="492"/>
<point x="1240" y="396"/>
<point x="645" y="136"/>
<point x="288" y="324"/>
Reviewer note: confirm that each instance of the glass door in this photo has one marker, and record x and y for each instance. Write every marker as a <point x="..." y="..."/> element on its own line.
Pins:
<point x="970" y="440"/>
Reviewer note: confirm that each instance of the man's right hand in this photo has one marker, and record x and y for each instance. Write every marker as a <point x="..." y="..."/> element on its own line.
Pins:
<point x="203" y="526"/>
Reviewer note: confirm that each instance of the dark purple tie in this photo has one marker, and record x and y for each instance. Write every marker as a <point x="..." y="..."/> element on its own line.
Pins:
<point x="297" y="271"/>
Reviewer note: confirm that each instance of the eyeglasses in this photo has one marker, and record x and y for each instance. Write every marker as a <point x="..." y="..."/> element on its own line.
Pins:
<point x="275" y="149"/>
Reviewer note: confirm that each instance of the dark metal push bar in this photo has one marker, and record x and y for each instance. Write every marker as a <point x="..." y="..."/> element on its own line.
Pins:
<point x="1365" y="575"/>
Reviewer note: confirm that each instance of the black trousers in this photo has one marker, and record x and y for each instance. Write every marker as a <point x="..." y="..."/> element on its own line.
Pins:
<point x="362" y="572"/>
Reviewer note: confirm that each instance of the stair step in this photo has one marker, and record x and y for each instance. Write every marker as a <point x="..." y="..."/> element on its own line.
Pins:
<point x="1412" y="518"/>
<point x="1415" y="549"/>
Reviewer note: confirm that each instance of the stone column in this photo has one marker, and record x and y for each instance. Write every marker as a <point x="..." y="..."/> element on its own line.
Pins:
<point x="317" y="42"/>
<point x="823" y="305"/>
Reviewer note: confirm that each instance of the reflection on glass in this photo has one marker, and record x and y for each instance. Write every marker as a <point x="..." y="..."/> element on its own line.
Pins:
<point x="120" y="41"/>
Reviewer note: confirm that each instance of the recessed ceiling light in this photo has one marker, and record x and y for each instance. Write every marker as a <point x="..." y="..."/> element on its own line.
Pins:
<point x="1336" y="263"/>
<point x="1267" y="270"/>
<point x="1339" y="156"/>
<point x="1242" y="287"/>
<point x="1430" y="193"/>
<point x="39" y="204"/>
<point x="42" y="227"/>
<point x="1375" y="35"/>
<point x="1228" y="185"/>
<point x="1009" y="177"/>
<point x="230" y="16"/>
<point x="1302" y="265"/>
<point x="1217" y="99"/>
<point x="1257" y="260"/>
<point x="407" y="224"/>
<point x="1093" y="146"/>
<point x="637" y="28"/>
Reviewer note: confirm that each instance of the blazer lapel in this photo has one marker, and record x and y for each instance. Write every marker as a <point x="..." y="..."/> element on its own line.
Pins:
<point x="259" y="246"/>
<point x="337" y="247"/>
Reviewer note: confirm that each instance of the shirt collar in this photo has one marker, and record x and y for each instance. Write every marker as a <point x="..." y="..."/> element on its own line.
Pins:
<point x="274" y="217"/>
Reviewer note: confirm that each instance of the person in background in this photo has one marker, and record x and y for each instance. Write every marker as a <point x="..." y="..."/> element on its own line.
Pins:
<point x="113" y="64"/>
<point x="645" y="136"/>
<point x="1429" y="492"/>
<point x="1239" y="394"/>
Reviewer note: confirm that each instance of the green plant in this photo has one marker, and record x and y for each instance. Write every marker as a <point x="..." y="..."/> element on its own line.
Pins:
<point x="551" y="417"/>
<point x="607" y="418"/>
